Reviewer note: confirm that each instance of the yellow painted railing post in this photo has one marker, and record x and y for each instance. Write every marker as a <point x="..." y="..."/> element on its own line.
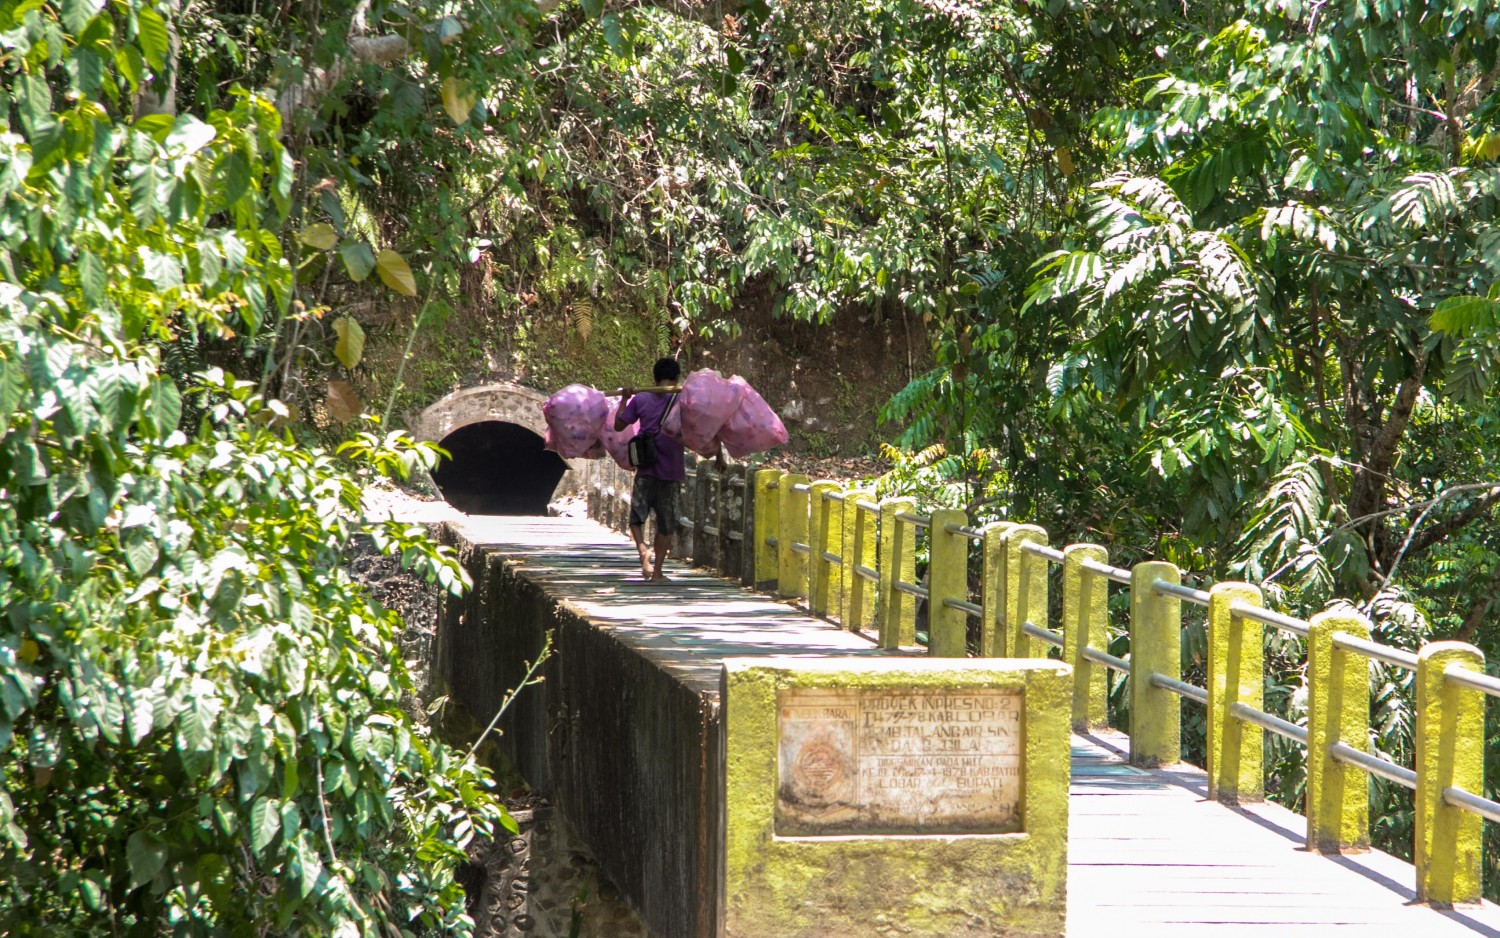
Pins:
<point x="858" y="611"/>
<point x="898" y="559"/>
<point x="1025" y="590"/>
<point x="1085" y="620"/>
<point x="1236" y="675"/>
<point x="1338" y="711"/>
<point x="767" y="524"/>
<point x="1450" y="754"/>
<point x="792" y="575"/>
<point x="823" y="593"/>
<point x="993" y="633"/>
<point x="1155" y="648"/>
<point x="947" y="578"/>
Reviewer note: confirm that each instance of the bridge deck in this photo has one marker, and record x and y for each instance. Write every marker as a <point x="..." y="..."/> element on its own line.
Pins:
<point x="1148" y="854"/>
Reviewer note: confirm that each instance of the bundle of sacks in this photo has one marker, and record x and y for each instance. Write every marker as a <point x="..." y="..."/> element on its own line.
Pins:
<point x="710" y="410"/>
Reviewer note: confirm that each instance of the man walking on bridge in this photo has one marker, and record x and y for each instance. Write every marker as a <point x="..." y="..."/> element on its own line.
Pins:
<point x="656" y="484"/>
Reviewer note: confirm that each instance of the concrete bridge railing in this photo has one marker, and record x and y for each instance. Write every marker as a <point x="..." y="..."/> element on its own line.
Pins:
<point x="852" y="558"/>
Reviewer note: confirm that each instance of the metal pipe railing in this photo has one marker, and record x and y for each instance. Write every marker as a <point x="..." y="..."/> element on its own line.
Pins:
<point x="1199" y="597"/>
<point x="911" y="589"/>
<point x="1118" y="574"/>
<point x="1042" y="550"/>
<point x="1190" y="691"/>
<point x="1267" y="617"/>
<point x="1266" y="721"/>
<point x="1386" y="770"/>
<point x="1464" y="677"/>
<point x="1393" y="656"/>
<point x="964" y="530"/>
<point x="1484" y="807"/>
<point x="963" y="606"/>
<point x="1106" y="659"/>
<point x="1042" y="635"/>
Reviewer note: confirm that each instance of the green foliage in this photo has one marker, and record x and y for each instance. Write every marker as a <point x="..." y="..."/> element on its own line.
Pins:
<point x="1283" y="287"/>
<point x="201" y="728"/>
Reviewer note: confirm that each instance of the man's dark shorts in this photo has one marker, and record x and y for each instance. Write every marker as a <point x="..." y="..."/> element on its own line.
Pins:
<point x="658" y="495"/>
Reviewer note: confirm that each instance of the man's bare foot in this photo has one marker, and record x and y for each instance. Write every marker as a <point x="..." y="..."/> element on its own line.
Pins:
<point x="658" y="577"/>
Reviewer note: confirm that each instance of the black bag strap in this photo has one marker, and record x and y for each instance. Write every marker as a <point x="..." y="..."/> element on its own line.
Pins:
<point x="666" y="410"/>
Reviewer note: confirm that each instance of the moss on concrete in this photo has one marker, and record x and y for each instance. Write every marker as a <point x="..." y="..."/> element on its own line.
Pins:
<point x="929" y="885"/>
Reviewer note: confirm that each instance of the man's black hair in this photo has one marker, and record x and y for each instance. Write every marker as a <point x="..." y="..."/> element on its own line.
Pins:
<point x="666" y="369"/>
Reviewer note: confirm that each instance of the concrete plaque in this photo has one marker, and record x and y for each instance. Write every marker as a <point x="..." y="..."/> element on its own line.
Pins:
<point x="908" y="761"/>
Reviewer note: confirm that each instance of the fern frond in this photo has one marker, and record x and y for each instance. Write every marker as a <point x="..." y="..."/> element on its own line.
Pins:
<point x="581" y="317"/>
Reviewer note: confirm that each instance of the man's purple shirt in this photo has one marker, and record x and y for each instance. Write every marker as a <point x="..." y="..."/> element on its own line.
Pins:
<point x="650" y="409"/>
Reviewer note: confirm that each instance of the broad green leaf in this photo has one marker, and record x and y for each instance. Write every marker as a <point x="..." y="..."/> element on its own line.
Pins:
<point x="359" y="260"/>
<point x="232" y="177"/>
<point x="359" y="743"/>
<point x="163" y="410"/>
<point x="34" y="101"/>
<point x="12" y="386"/>
<point x="196" y="726"/>
<point x="265" y="824"/>
<point x="152" y="33"/>
<point x="395" y="272"/>
<point x="350" y="347"/>
<point x="76" y="14"/>
<point x="91" y="278"/>
<point x="141" y="553"/>
<point x="130" y="64"/>
<point x="593" y="9"/>
<point x="458" y="101"/>
<point x="146" y="856"/>
<point x="320" y="236"/>
<point x="92" y="893"/>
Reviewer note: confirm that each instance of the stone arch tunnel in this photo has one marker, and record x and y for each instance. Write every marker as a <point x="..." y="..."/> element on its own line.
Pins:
<point x="494" y="437"/>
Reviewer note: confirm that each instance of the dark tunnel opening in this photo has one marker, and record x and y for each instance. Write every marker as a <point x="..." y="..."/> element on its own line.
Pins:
<point x="498" y="468"/>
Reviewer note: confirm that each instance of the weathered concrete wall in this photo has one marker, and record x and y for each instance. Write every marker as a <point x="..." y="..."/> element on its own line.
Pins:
<point x="626" y="750"/>
<point x="505" y="403"/>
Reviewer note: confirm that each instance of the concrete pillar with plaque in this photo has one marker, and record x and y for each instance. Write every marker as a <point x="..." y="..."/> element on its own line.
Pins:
<point x="921" y="795"/>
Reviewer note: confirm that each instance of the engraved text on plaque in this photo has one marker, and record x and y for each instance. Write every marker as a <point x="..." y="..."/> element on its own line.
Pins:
<point x="911" y="761"/>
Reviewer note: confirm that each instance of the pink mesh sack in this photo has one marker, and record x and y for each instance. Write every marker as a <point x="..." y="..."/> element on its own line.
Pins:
<point x="575" y="416"/>
<point x="671" y="425"/>
<point x="753" y="427"/>
<point x="616" y="444"/>
<point x="707" y="400"/>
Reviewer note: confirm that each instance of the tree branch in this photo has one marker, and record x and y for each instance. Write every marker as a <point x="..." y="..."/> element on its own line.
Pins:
<point x="1455" y="521"/>
<point x="1476" y="616"/>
